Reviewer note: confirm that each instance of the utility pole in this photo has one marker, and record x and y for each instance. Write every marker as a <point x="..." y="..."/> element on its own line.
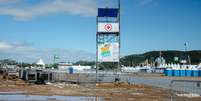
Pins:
<point x="119" y="20"/>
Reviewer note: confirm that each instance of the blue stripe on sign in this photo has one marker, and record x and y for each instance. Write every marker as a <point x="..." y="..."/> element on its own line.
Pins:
<point x="107" y="12"/>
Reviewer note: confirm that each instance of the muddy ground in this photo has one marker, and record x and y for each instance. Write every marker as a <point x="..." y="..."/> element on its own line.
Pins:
<point x="109" y="91"/>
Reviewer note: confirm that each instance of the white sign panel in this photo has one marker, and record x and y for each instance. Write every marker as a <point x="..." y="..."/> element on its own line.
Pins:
<point x="108" y="27"/>
<point x="108" y="52"/>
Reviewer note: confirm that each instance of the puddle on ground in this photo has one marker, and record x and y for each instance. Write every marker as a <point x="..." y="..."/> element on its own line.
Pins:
<point x="19" y="96"/>
<point x="12" y="93"/>
<point x="190" y="95"/>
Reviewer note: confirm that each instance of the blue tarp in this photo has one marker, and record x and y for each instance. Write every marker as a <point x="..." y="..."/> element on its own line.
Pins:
<point x="108" y="12"/>
<point x="70" y="70"/>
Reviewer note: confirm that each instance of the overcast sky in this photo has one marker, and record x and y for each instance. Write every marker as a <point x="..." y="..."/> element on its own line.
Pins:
<point x="33" y="29"/>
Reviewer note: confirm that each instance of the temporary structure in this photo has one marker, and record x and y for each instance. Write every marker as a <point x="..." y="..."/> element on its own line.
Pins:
<point x="41" y="63"/>
<point x="199" y="65"/>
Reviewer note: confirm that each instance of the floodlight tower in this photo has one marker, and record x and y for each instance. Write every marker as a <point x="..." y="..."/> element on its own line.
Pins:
<point x="108" y="36"/>
<point x="186" y="46"/>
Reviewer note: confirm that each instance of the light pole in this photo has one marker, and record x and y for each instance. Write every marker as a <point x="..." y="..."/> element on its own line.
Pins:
<point x="186" y="49"/>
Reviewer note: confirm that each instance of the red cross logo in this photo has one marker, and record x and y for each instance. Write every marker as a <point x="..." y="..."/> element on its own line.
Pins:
<point x="108" y="27"/>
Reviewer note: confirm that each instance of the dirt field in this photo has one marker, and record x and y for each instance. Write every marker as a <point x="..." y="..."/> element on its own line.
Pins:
<point x="110" y="92"/>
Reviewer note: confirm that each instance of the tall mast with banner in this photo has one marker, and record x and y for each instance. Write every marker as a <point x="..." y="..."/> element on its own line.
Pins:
<point x="108" y="37"/>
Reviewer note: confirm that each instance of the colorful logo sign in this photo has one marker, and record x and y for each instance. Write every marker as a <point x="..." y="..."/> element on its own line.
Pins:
<point x="108" y="52"/>
<point x="105" y="51"/>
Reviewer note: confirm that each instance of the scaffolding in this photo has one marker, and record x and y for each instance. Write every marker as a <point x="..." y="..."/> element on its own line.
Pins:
<point x="108" y="37"/>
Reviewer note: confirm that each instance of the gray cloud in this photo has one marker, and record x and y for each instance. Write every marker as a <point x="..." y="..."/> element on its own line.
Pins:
<point x="27" y="12"/>
<point x="4" y="46"/>
<point x="26" y="53"/>
<point x="8" y="1"/>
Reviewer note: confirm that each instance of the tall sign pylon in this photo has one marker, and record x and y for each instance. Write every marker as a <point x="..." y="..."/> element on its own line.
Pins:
<point x="108" y="37"/>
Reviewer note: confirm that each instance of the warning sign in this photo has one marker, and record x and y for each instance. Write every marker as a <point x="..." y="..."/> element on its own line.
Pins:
<point x="108" y="27"/>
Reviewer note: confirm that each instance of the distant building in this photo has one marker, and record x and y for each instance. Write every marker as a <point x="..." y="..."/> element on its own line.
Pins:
<point x="184" y="59"/>
<point x="159" y="61"/>
<point x="64" y="65"/>
<point x="67" y="65"/>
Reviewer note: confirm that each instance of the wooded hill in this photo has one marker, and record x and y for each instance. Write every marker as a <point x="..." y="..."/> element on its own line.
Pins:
<point x="169" y="56"/>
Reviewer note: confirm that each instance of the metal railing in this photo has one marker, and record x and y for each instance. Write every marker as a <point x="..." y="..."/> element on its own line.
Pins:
<point x="184" y="86"/>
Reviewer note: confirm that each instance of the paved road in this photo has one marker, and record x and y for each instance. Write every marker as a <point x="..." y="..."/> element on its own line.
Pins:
<point x="190" y="87"/>
<point x="156" y="81"/>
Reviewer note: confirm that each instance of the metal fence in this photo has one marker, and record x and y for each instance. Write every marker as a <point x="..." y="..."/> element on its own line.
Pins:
<point x="184" y="88"/>
<point x="175" y="87"/>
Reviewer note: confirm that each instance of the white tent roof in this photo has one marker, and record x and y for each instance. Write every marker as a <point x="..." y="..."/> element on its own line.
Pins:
<point x="40" y="62"/>
<point x="199" y="65"/>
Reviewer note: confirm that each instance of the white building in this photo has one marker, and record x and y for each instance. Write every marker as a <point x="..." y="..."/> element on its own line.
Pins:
<point x="75" y="67"/>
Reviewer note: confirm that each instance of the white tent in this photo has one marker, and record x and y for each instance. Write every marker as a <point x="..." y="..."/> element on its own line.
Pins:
<point x="40" y="62"/>
<point x="199" y="65"/>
